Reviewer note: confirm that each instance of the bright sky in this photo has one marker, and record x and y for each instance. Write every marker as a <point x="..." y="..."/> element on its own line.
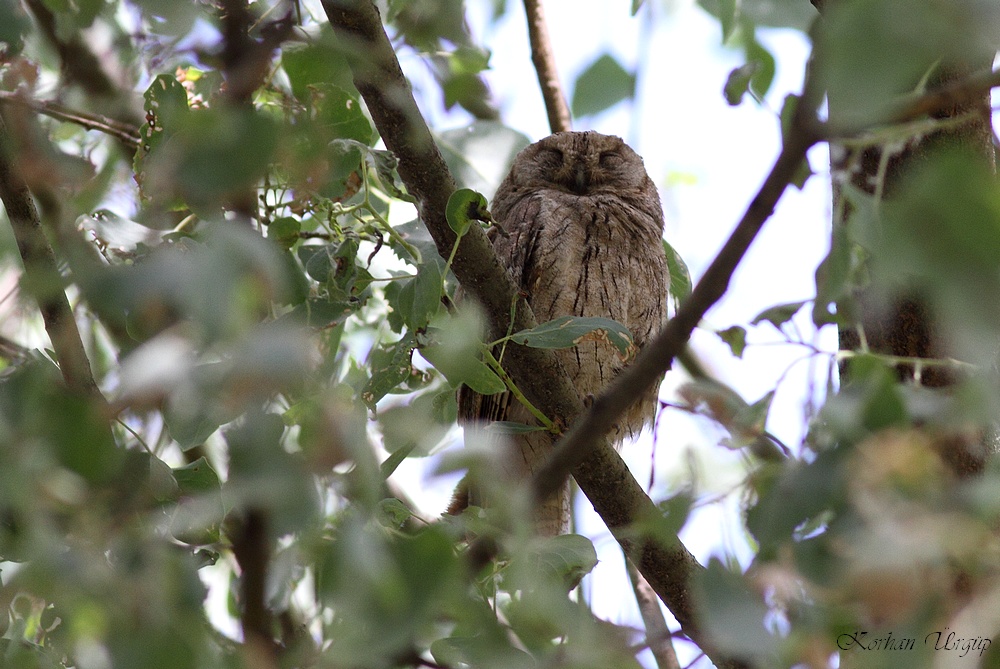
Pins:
<point x="708" y="159"/>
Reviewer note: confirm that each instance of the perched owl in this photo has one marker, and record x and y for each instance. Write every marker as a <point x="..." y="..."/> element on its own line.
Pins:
<point x="584" y="229"/>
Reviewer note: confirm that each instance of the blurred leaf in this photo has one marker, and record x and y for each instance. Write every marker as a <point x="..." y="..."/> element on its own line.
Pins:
<point x="870" y="55"/>
<point x="14" y="24"/>
<point x="791" y="494"/>
<point x="778" y="315"/>
<point x="736" y="338"/>
<point x="284" y="230"/>
<point x="680" y="277"/>
<point x="507" y="427"/>
<point x="834" y="285"/>
<point x="393" y="514"/>
<point x="200" y="512"/>
<point x="738" y="83"/>
<point x="453" y="346"/>
<point x="390" y="366"/>
<point x="462" y="366"/>
<point x="566" y="558"/>
<point x="941" y="235"/>
<point x="568" y="331"/>
<point x="419" y="299"/>
<point x="601" y="86"/>
<point x="320" y="62"/>
<point x="762" y="13"/>
<point x="733" y="614"/>
<point x="480" y="154"/>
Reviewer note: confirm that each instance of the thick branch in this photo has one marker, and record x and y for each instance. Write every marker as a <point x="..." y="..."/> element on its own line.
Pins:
<point x="604" y="477"/>
<point x="42" y="272"/>
<point x="544" y="60"/>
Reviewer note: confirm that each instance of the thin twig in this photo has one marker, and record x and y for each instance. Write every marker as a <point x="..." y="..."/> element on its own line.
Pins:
<point x="120" y="130"/>
<point x="544" y="60"/>
<point x="658" y="637"/>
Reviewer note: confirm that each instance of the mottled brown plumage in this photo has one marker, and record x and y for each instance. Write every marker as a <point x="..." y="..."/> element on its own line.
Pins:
<point x="584" y="226"/>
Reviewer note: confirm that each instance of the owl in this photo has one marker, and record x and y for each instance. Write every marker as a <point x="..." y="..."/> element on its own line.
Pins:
<point x="581" y="235"/>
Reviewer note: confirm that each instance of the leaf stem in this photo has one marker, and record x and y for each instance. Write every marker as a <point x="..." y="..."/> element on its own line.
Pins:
<point x="494" y="364"/>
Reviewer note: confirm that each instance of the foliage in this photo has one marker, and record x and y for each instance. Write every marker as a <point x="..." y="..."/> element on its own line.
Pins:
<point x="283" y="365"/>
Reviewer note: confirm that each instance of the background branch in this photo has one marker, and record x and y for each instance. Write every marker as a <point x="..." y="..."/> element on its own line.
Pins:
<point x="658" y="636"/>
<point x="544" y="60"/>
<point x="42" y="271"/>
<point x="126" y="133"/>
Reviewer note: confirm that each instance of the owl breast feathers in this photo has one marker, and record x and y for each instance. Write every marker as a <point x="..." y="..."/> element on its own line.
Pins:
<point x="584" y="229"/>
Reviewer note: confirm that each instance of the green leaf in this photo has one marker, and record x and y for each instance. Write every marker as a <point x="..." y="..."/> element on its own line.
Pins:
<point x="833" y="278"/>
<point x="736" y="338"/>
<point x="763" y="75"/>
<point x="738" y="83"/>
<point x="601" y="86"/>
<point x="762" y="13"/>
<point x="284" y="231"/>
<point x="390" y="464"/>
<point x="385" y="163"/>
<point x="392" y="513"/>
<point x="734" y="614"/>
<point x="339" y="111"/>
<point x="507" y="427"/>
<point x="464" y="368"/>
<point x="778" y="315"/>
<point x="568" y="331"/>
<point x="320" y="62"/>
<point x="198" y="517"/>
<point x="419" y="299"/>
<point x="465" y="206"/>
<point x="680" y="277"/>
<point x="390" y="366"/>
<point x="14" y="24"/>
<point x="636" y="6"/>
<point x="566" y="558"/>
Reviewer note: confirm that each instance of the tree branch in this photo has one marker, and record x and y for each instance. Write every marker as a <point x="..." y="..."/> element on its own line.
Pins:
<point x="544" y="60"/>
<point x="604" y="477"/>
<point x="42" y="272"/>
<point x="126" y="133"/>
<point x="658" y="636"/>
<point x="252" y="549"/>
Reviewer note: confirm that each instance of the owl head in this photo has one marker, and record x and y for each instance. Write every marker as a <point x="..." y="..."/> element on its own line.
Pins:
<point x="582" y="163"/>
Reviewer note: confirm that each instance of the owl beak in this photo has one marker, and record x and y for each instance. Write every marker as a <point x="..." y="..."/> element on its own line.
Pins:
<point x="581" y="179"/>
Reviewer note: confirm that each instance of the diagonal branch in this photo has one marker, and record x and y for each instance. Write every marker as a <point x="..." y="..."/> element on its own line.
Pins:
<point x="42" y="272"/>
<point x="544" y="60"/>
<point x="126" y="133"/>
